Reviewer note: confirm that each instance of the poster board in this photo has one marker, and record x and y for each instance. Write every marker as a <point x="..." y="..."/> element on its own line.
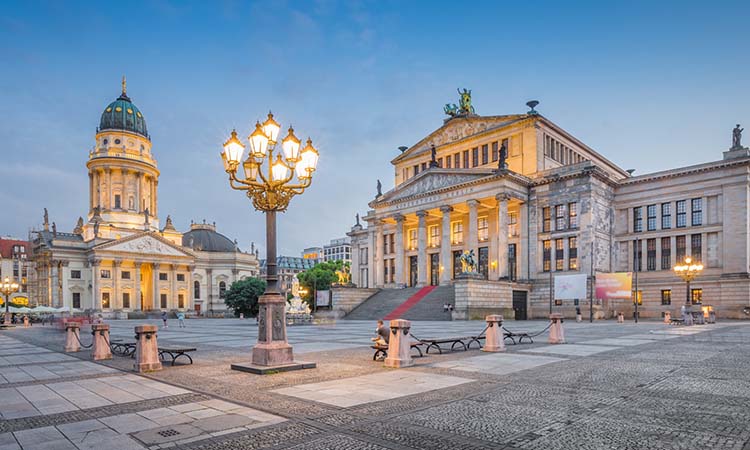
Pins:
<point x="616" y="285"/>
<point x="570" y="287"/>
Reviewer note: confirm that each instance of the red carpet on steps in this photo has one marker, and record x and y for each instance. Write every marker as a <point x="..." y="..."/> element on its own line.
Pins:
<point x="409" y="303"/>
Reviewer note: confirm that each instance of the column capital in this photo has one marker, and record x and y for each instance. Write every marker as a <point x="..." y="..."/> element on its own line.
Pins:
<point x="209" y="271"/>
<point x="422" y="214"/>
<point x="138" y="264"/>
<point x="65" y="263"/>
<point x="117" y="262"/>
<point x="399" y="218"/>
<point x="95" y="262"/>
<point x="446" y="209"/>
<point x="502" y="197"/>
<point x="472" y="203"/>
<point x="235" y="271"/>
<point x="157" y="265"/>
<point x="191" y="268"/>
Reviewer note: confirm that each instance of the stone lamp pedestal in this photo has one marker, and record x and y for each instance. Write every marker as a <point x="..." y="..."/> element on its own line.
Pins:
<point x="399" y="345"/>
<point x="146" y="349"/>
<point x="72" y="335"/>
<point x="556" y="334"/>
<point x="100" y="348"/>
<point x="272" y="353"/>
<point x="494" y="335"/>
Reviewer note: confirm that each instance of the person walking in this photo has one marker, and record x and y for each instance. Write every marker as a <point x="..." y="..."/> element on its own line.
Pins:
<point x="164" y="318"/>
<point x="181" y="319"/>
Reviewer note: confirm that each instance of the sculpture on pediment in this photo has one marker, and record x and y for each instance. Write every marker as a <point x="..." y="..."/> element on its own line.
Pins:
<point x="145" y="215"/>
<point x="502" y="162"/>
<point x="464" y="103"/>
<point x="96" y="229"/>
<point x="736" y="137"/>
<point x="451" y="109"/>
<point x="433" y="156"/>
<point x="46" y="220"/>
<point x="380" y="189"/>
<point x="79" y="226"/>
<point x="357" y="218"/>
<point x="54" y="229"/>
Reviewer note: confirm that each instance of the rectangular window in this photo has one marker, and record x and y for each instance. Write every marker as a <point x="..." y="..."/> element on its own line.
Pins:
<point x="483" y="262"/>
<point x="696" y="218"/>
<point x="494" y="152"/>
<point x="513" y="223"/>
<point x="681" y="248"/>
<point x="637" y="219"/>
<point x="573" y="215"/>
<point x="117" y="202"/>
<point x="457" y="263"/>
<point x="362" y="257"/>
<point x="385" y="245"/>
<point x="412" y="239"/>
<point x="76" y="300"/>
<point x="666" y="296"/>
<point x="180" y="301"/>
<point x="559" y="254"/>
<point x="391" y="239"/>
<point x="637" y="255"/>
<point x="483" y="229"/>
<point x="105" y="273"/>
<point x="666" y="216"/>
<point x="448" y="161"/>
<point x="125" y="275"/>
<point x="416" y="169"/>
<point x="163" y="301"/>
<point x="485" y="154"/>
<point x="696" y="247"/>
<point x="696" y="296"/>
<point x="681" y="214"/>
<point x="457" y="160"/>
<point x="163" y="276"/>
<point x="126" y="300"/>
<point x="440" y="162"/>
<point x="546" y="219"/>
<point x="75" y="274"/>
<point x="651" y="217"/>
<point x="474" y="156"/>
<point x="105" y="300"/>
<point x="423" y="167"/>
<point x="546" y="255"/>
<point x="651" y="254"/>
<point x="573" y="253"/>
<point x="180" y="277"/>
<point x="434" y="236"/>
<point x="466" y="159"/>
<point x="457" y="232"/>
<point x="666" y="253"/>
<point x="560" y="218"/>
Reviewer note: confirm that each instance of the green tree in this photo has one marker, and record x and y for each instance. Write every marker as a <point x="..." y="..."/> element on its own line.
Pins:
<point x="320" y="278"/>
<point x="242" y="296"/>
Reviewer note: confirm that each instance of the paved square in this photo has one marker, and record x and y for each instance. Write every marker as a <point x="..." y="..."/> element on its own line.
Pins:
<point x="571" y="349"/>
<point x="497" y="363"/>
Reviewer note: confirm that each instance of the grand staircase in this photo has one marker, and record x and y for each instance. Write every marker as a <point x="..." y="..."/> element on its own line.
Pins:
<point x="410" y="303"/>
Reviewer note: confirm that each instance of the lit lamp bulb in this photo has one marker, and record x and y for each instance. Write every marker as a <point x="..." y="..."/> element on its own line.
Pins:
<point x="233" y="149"/>
<point x="271" y="128"/>
<point x="279" y="170"/>
<point x="308" y="161"/>
<point x="251" y="169"/>
<point x="258" y="141"/>
<point x="290" y="145"/>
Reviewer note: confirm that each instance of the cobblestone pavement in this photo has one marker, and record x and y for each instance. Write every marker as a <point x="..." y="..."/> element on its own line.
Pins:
<point x="612" y="386"/>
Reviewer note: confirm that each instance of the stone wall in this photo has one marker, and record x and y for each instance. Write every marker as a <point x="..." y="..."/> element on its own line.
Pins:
<point x="345" y="299"/>
<point x="476" y="298"/>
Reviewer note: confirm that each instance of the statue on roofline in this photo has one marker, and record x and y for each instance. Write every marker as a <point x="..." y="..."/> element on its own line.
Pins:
<point x="736" y="137"/>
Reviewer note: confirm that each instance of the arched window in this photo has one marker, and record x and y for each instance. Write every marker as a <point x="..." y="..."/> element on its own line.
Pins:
<point x="197" y="289"/>
<point x="222" y="289"/>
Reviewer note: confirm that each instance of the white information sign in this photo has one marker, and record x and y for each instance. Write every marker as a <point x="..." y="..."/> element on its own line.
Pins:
<point x="570" y="287"/>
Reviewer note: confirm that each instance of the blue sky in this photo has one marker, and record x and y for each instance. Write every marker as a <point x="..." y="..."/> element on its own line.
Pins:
<point x="650" y="85"/>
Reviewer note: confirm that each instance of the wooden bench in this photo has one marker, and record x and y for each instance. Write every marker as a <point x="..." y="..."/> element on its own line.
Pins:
<point x="176" y="352"/>
<point x="512" y="335"/>
<point x="382" y="350"/>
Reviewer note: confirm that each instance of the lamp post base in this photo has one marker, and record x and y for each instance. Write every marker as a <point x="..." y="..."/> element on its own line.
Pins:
<point x="272" y="353"/>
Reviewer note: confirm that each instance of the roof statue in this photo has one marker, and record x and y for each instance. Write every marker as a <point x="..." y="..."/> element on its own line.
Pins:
<point x="46" y="220"/>
<point x="169" y="225"/>
<point x="124" y="86"/>
<point x="502" y="162"/>
<point x="736" y="138"/>
<point x="96" y="229"/>
<point x="464" y="107"/>
<point x="433" y="156"/>
<point x="54" y="229"/>
<point x="79" y="226"/>
<point x="380" y="189"/>
<point x="145" y="215"/>
<point x="357" y="217"/>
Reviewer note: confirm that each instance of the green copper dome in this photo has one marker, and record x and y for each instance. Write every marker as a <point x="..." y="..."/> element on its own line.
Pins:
<point x="122" y="114"/>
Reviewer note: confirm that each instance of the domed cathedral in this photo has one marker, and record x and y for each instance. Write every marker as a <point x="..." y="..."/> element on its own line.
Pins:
<point x="119" y="261"/>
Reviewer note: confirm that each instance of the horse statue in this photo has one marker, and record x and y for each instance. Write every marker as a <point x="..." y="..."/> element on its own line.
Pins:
<point x="465" y="102"/>
<point x="345" y="276"/>
<point x="468" y="263"/>
<point x="451" y="109"/>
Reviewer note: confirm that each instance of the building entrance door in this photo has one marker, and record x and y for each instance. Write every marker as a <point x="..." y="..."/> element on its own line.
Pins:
<point x="413" y="271"/>
<point x="519" y="304"/>
<point x="434" y="269"/>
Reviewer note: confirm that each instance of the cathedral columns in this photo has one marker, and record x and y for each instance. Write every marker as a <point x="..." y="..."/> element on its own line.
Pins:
<point x="96" y="297"/>
<point x="173" y="294"/>
<point x="379" y="261"/>
<point x="446" y="256"/>
<point x="371" y="261"/>
<point x="473" y="241"/>
<point x="209" y="290"/>
<point x="399" y="250"/>
<point x="91" y="191"/>
<point x="138" y="192"/>
<point x="156" y="300"/>
<point x="502" y="235"/>
<point x="116" y="301"/>
<point x="137" y="299"/>
<point x="189" y="299"/>
<point x="55" y="272"/>
<point x="422" y="249"/>
<point x="108" y="191"/>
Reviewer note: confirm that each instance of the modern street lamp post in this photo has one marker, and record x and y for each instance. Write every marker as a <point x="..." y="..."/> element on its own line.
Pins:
<point x="688" y="272"/>
<point x="8" y="287"/>
<point x="270" y="187"/>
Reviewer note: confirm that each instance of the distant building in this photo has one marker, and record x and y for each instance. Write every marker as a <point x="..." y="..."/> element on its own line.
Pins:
<point x="287" y="268"/>
<point x="338" y="250"/>
<point x="314" y="253"/>
<point x="14" y="263"/>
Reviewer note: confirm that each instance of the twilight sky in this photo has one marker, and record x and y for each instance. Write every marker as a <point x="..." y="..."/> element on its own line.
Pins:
<point x="650" y="85"/>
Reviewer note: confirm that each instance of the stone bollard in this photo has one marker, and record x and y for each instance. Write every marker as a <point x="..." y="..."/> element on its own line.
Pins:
<point x="100" y="348"/>
<point x="667" y="317"/>
<point x="494" y="338"/>
<point x="26" y="321"/>
<point x="399" y="345"/>
<point x="146" y="349"/>
<point x="72" y="334"/>
<point x="556" y="335"/>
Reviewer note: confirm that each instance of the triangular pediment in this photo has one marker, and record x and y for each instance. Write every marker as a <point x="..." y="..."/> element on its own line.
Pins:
<point x="433" y="180"/>
<point x="149" y="243"/>
<point x="459" y="128"/>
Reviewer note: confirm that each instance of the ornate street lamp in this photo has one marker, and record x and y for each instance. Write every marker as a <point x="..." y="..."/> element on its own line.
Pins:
<point x="8" y="287"/>
<point x="688" y="271"/>
<point x="270" y="187"/>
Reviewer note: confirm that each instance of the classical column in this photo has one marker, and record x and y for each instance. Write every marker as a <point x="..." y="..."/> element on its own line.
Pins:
<point x="96" y="298"/>
<point x="672" y="247"/>
<point x="137" y="299"/>
<point x="116" y="303"/>
<point x="108" y="171"/>
<point x="446" y="256"/>
<point x="154" y="199"/>
<point x="399" y="244"/>
<point x="422" y="249"/>
<point x="189" y="300"/>
<point x="96" y="197"/>
<point x="371" y="256"/>
<point x="64" y="290"/>
<point x="156" y="297"/>
<point x="138" y="178"/>
<point x="473" y="242"/>
<point x="55" y="282"/>
<point x="91" y="191"/>
<point x="173" y="289"/>
<point x="209" y="290"/>
<point x="502" y="235"/>
<point x="380" y="280"/>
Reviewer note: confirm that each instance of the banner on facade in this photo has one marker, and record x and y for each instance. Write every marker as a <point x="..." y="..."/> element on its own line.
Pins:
<point x="614" y="285"/>
<point x="322" y="298"/>
<point x="570" y="287"/>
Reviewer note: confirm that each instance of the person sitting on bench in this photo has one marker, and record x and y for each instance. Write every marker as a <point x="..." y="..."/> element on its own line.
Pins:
<point x="383" y="333"/>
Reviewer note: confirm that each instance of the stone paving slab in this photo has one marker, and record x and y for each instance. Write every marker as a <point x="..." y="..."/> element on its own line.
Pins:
<point x="497" y="363"/>
<point x="619" y="342"/>
<point x="571" y="349"/>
